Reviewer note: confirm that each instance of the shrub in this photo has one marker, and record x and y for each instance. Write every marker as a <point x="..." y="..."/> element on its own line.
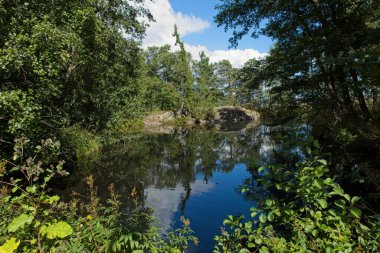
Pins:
<point x="305" y="211"/>
<point x="34" y="220"/>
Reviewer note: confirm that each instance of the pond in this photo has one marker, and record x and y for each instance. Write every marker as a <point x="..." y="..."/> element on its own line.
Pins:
<point x="194" y="173"/>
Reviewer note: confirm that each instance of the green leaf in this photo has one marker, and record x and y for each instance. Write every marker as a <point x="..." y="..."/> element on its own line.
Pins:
<point x="244" y="251"/>
<point x="356" y="212"/>
<point x="323" y="161"/>
<point x="341" y="203"/>
<point x="263" y="218"/>
<point x="270" y="216"/>
<point x="58" y="230"/>
<point x="264" y="250"/>
<point x="10" y="246"/>
<point x="355" y="199"/>
<point x="248" y="225"/>
<point x="346" y="196"/>
<point x="322" y="203"/>
<point x="261" y="168"/>
<point x="338" y="191"/>
<point x="20" y="222"/>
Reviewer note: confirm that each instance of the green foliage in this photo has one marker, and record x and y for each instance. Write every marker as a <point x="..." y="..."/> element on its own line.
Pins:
<point x="306" y="211"/>
<point x="65" y="63"/>
<point x="9" y="246"/>
<point x="324" y="58"/>
<point x="82" y="142"/>
<point x="34" y="220"/>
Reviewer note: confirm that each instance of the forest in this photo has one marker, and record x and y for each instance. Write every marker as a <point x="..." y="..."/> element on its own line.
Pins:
<point x="75" y="80"/>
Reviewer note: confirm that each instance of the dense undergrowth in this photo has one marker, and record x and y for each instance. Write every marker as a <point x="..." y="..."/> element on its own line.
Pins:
<point x="304" y="210"/>
<point x="34" y="220"/>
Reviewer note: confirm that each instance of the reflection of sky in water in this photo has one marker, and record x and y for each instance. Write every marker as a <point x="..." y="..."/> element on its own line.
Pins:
<point x="208" y="205"/>
<point x="166" y="202"/>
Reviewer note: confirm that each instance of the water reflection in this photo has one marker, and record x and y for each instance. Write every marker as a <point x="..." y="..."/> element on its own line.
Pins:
<point x="196" y="173"/>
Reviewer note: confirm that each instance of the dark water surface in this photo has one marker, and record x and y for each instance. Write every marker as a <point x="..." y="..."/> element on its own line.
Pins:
<point x="194" y="173"/>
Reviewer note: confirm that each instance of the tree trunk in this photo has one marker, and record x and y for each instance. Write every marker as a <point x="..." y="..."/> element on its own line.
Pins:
<point x="359" y="95"/>
<point x="347" y="101"/>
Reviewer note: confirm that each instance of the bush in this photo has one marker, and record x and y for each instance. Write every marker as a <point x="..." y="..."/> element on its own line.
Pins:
<point x="305" y="211"/>
<point x="33" y="220"/>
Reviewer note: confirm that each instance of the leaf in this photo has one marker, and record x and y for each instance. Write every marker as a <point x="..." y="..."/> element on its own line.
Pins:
<point x="261" y="169"/>
<point x="308" y="150"/>
<point x="323" y="161"/>
<point x="341" y="203"/>
<point x="248" y="225"/>
<point x="263" y="218"/>
<point x="356" y="212"/>
<point x="244" y="251"/>
<point x="10" y="246"/>
<point x="58" y="230"/>
<point x="322" y="203"/>
<point x="355" y="199"/>
<point x="264" y="250"/>
<point x="20" y="222"/>
<point x="270" y="216"/>
<point x="338" y="191"/>
<point x="346" y="196"/>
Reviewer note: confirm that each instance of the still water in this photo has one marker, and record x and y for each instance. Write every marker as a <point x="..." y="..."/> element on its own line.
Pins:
<point x="194" y="173"/>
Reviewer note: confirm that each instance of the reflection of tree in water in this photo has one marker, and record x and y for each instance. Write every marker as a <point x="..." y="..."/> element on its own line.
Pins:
<point x="166" y="161"/>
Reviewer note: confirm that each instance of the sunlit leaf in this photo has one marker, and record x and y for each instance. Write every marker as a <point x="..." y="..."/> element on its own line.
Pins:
<point x="57" y="230"/>
<point x="10" y="246"/>
<point x="20" y="222"/>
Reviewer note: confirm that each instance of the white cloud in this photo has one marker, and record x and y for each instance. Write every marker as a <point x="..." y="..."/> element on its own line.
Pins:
<point x="166" y="202"/>
<point x="237" y="57"/>
<point x="160" y="33"/>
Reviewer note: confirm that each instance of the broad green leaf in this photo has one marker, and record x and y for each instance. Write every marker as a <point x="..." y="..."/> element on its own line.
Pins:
<point x="346" y="196"/>
<point x="341" y="203"/>
<point x="10" y="246"/>
<point x="264" y="250"/>
<point x="270" y="216"/>
<point x="20" y="222"/>
<point x="322" y="203"/>
<point x="57" y="230"/>
<point x="356" y="212"/>
<point x="248" y="225"/>
<point x="263" y="218"/>
<point x="355" y="199"/>
<point x="244" y="251"/>
<point x="338" y="191"/>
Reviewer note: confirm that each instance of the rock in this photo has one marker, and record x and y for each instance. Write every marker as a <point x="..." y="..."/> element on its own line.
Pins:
<point x="232" y="114"/>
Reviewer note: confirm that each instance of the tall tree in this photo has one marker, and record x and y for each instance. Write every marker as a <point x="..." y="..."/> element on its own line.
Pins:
<point x="184" y="75"/>
<point x="67" y="62"/>
<point x="205" y="82"/>
<point x="320" y="47"/>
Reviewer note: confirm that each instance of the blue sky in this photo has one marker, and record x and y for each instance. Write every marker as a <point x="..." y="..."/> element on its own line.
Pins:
<point x="195" y="20"/>
<point x="214" y="38"/>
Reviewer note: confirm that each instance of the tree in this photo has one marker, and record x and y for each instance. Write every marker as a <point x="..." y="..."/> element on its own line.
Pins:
<point x="320" y="48"/>
<point x="226" y="78"/>
<point x="184" y="75"/>
<point x="205" y="83"/>
<point x="68" y="62"/>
